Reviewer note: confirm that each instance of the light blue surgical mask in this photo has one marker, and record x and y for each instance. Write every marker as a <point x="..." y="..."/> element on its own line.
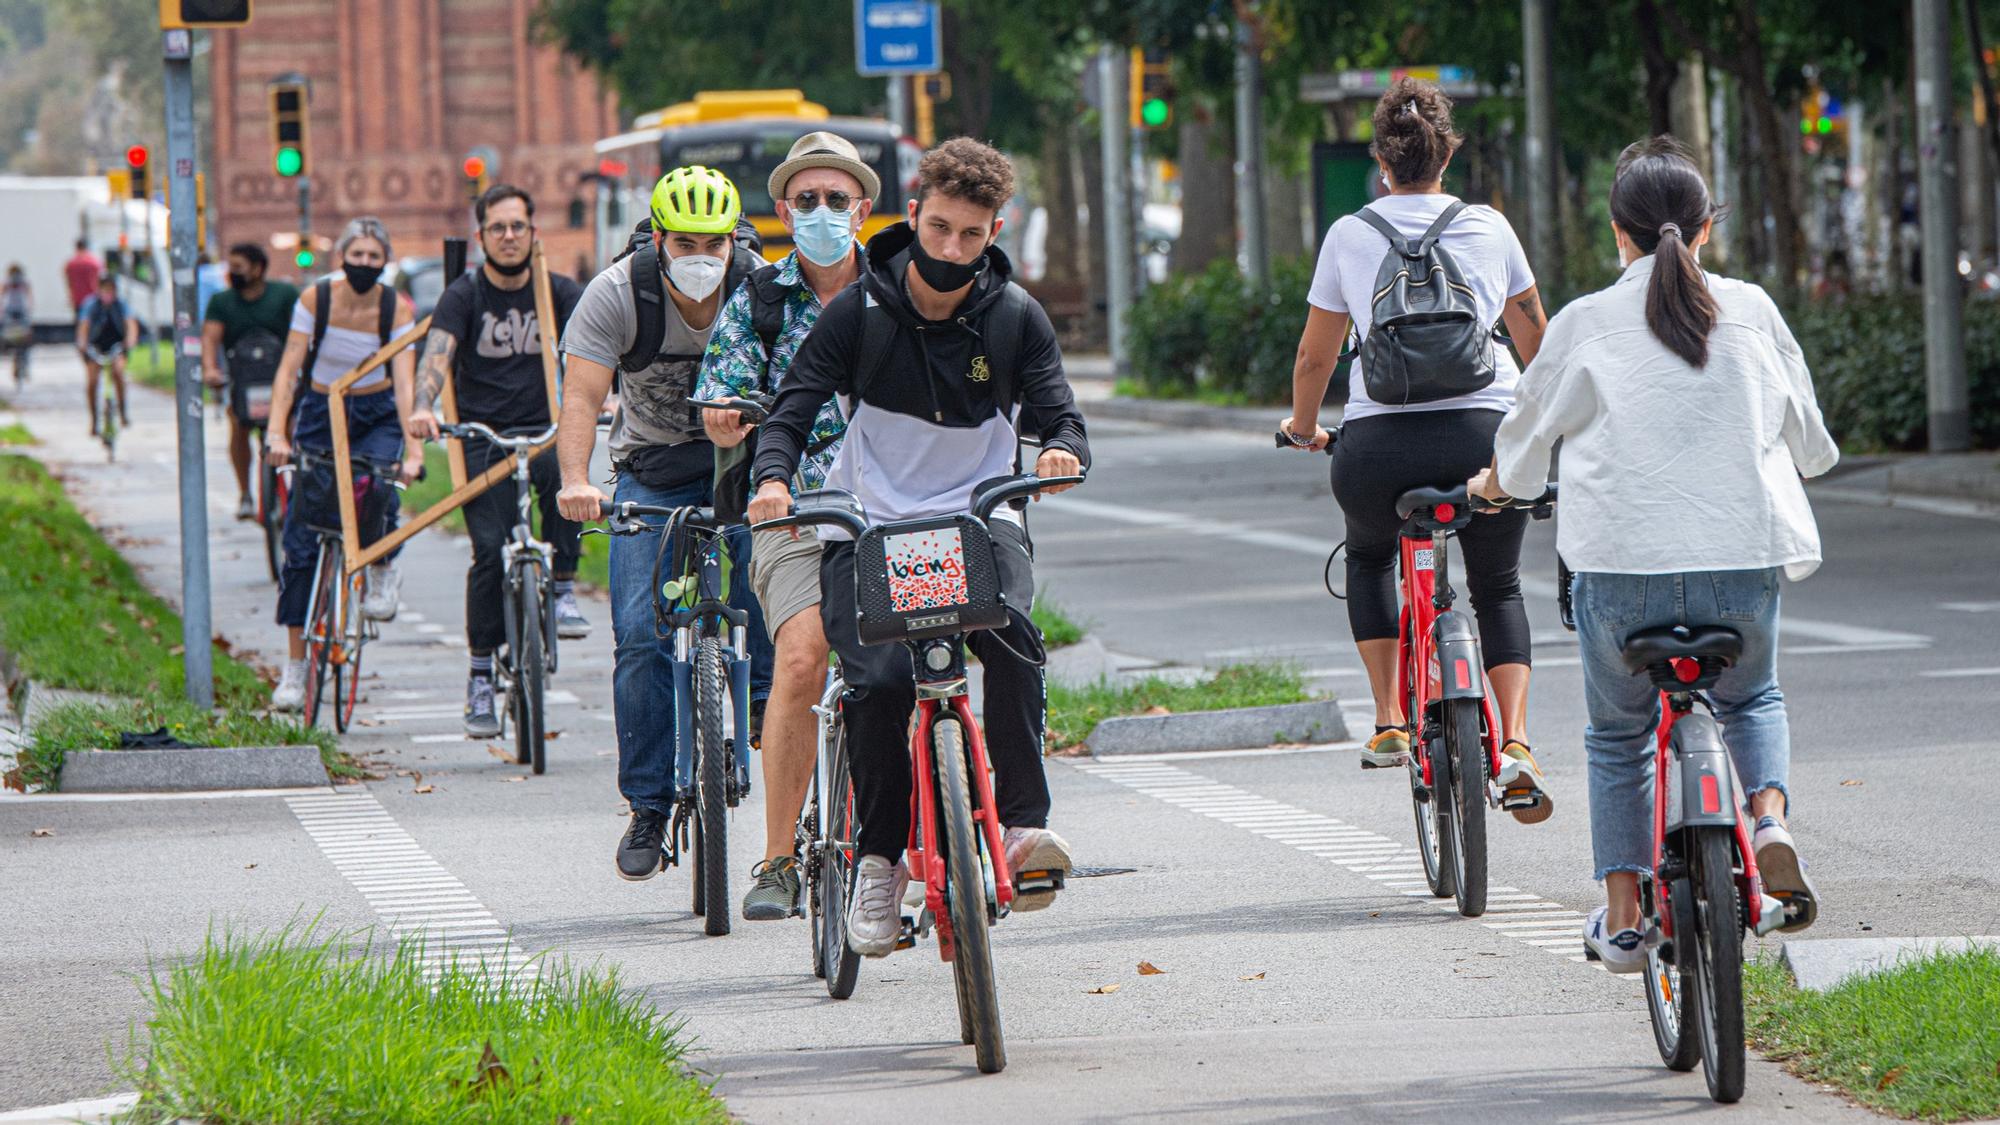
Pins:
<point x="825" y="236"/>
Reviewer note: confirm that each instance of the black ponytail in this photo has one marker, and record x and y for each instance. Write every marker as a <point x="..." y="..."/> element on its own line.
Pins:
<point x="1659" y="200"/>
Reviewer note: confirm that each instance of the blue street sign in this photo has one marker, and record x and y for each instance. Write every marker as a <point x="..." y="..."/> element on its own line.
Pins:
<point x="896" y="37"/>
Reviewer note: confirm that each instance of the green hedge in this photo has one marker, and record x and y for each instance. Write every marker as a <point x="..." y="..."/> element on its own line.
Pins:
<point x="1210" y="336"/>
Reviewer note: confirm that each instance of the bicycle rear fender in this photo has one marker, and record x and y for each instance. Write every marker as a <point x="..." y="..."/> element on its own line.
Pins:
<point x="1701" y="790"/>
<point x="1459" y="670"/>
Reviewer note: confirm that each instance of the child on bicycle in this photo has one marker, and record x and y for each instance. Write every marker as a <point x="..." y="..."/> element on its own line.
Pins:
<point x="1687" y="418"/>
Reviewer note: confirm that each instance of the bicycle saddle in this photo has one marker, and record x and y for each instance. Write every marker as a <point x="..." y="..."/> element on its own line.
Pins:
<point x="1648" y="648"/>
<point x="1418" y="499"/>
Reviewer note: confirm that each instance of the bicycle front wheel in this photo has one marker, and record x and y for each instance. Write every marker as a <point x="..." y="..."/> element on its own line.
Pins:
<point x="712" y="786"/>
<point x="838" y="964"/>
<point x="530" y="675"/>
<point x="353" y="637"/>
<point x="965" y="892"/>
<point x="321" y="623"/>
<point x="1433" y="811"/>
<point x="1467" y="795"/>
<point x="1718" y="948"/>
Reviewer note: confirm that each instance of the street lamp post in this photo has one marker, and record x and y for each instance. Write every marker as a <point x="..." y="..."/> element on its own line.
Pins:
<point x="1937" y="183"/>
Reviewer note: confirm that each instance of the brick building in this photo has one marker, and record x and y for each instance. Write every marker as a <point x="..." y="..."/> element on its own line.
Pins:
<point x="401" y="91"/>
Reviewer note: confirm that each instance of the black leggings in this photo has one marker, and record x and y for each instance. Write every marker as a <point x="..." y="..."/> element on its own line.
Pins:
<point x="1382" y="456"/>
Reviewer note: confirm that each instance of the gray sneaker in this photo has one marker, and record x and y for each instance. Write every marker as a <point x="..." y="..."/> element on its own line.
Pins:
<point x="875" y="917"/>
<point x="383" y="597"/>
<point x="570" y="623"/>
<point x="480" y="719"/>
<point x="776" y="894"/>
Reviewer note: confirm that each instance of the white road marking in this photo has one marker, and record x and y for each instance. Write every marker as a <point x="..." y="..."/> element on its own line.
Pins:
<point x="1961" y="673"/>
<point x="1971" y="607"/>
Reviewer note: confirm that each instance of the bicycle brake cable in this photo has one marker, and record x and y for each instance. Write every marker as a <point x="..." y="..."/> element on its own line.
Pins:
<point x="1326" y="576"/>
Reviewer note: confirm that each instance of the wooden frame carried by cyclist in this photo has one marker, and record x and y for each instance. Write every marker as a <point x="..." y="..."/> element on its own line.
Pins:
<point x="354" y="555"/>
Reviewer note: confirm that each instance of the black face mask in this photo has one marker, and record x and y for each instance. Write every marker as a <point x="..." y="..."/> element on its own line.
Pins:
<point x="361" y="278"/>
<point x="239" y="281"/>
<point x="510" y="271"/>
<point x="943" y="276"/>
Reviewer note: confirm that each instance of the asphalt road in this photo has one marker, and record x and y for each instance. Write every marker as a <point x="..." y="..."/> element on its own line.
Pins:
<point x="1302" y="980"/>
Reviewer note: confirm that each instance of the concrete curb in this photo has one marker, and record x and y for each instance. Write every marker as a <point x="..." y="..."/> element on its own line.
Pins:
<point x="1824" y="963"/>
<point x="1242" y="728"/>
<point x="220" y="767"/>
<point x="1201" y="415"/>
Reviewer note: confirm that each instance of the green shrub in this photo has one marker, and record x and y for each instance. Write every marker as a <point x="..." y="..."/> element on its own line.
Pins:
<point x="1866" y="353"/>
<point x="1211" y="336"/>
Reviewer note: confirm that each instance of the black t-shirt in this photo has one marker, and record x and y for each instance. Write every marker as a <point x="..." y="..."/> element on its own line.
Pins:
<point x="498" y="362"/>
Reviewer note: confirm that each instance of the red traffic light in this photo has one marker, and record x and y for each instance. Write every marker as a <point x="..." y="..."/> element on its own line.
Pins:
<point x="135" y="156"/>
<point x="474" y="167"/>
<point x="615" y="169"/>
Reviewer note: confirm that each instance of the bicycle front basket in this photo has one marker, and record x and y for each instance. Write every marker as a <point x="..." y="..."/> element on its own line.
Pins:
<point x="926" y="578"/>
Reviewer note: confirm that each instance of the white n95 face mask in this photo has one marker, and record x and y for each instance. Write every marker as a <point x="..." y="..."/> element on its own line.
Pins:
<point x="696" y="275"/>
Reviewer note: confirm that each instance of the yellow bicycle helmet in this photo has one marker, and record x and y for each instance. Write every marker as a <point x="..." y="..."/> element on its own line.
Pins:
<point x="696" y="200"/>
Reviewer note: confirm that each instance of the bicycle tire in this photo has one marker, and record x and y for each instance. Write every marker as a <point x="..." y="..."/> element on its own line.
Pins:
<point x="353" y="637"/>
<point x="965" y="895"/>
<point x="326" y="589"/>
<point x="1433" y="818"/>
<point x="271" y="514"/>
<point x="1669" y="1001"/>
<point x="841" y="965"/>
<point x="1467" y="751"/>
<point x="1719" y="932"/>
<point x="700" y="904"/>
<point x="712" y="785"/>
<point x="530" y="675"/>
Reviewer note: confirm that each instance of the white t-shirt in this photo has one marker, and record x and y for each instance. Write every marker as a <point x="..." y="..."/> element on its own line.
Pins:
<point x="345" y="349"/>
<point x="1479" y="240"/>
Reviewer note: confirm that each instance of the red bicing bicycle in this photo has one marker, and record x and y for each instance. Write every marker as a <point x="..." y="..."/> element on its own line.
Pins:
<point x="925" y="583"/>
<point x="1704" y="889"/>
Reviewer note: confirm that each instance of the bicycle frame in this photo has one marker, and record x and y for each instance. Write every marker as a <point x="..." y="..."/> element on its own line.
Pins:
<point x="1713" y="804"/>
<point x="941" y="693"/>
<point x="707" y="613"/>
<point x="1428" y="601"/>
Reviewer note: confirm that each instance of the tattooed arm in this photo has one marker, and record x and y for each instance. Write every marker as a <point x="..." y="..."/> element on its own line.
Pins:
<point x="1525" y="322"/>
<point x="439" y="348"/>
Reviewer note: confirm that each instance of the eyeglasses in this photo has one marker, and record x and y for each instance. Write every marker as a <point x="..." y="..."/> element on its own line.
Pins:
<point x="810" y="200"/>
<point x="502" y="230"/>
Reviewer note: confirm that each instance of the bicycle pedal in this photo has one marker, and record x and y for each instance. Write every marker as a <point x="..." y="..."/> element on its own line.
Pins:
<point x="1395" y="765"/>
<point x="1511" y="799"/>
<point x="1590" y="953"/>
<point x="907" y="936"/>
<point x="1038" y="882"/>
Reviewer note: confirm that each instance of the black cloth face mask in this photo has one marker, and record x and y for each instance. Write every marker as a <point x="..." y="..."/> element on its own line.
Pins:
<point x="943" y="276"/>
<point x="239" y="281"/>
<point x="510" y="271"/>
<point x="361" y="278"/>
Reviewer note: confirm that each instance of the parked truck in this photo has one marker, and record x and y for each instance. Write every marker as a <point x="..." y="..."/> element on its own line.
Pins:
<point x="43" y="218"/>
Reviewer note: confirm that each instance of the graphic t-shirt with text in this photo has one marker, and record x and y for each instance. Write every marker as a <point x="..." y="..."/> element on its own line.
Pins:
<point x="498" y="362"/>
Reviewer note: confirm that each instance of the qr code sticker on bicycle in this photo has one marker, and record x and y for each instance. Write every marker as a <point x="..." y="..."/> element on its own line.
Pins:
<point x="926" y="569"/>
<point x="1424" y="557"/>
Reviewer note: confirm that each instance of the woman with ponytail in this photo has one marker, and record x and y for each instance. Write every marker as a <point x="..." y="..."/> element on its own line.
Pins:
<point x="1687" y="418"/>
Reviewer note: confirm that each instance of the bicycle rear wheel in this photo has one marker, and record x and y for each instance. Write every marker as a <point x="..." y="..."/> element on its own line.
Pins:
<point x="352" y="638"/>
<point x="838" y="964"/>
<point x="1433" y="811"/>
<point x="1669" y="985"/>
<point x="320" y="626"/>
<point x="712" y="785"/>
<point x="1467" y="751"/>
<point x="965" y="891"/>
<point x="1719" y="955"/>
<point x="530" y="673"/>
<point x="270" y="514"/>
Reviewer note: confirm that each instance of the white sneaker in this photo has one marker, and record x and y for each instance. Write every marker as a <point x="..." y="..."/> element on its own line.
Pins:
<point x="1038" y="862"/>
<point x="1622" y="952"/>
<point x="875" y="918"/>
<point x="290" y="694"/>
<point x="385" y="587"/>
<point x="571" y="625"/>
<point x="1784" y="874"/>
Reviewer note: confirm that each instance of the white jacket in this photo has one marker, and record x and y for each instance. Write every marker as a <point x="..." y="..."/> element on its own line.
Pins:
<point x="1668" y="467"/>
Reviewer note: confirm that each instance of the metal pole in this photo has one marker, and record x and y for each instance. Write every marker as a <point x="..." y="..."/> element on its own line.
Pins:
<point x="196" y="657"/>
<point x="306" y="221"/>
<point x="1545" y="248"/>
<point x="1252" y="254"/>
<point x="1117" y="224"/>
<point x="899" y="103"/>
<point x="1937" y="180"/>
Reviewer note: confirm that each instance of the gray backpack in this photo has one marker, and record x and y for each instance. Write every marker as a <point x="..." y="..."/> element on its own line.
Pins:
<point x="1427" y="342"/>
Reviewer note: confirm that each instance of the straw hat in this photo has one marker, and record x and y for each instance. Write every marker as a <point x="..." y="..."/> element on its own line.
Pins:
<point x="824" y="150"/>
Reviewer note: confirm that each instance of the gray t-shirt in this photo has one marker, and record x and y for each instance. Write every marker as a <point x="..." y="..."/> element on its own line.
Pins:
<point x="652" y="404"/>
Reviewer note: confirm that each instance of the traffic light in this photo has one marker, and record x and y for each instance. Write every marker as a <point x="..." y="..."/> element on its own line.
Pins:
<point x="204" y="13"/>
<point x="137" y="166"/>
<point x="304" y="257"/>
<point x="479" y="167"/>
<point x="289" y="150"/>
<point x="1152" y="80"/>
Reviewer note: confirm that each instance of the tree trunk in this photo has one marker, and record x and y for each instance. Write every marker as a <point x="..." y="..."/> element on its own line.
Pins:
<point x="969" y="61"/>
<point x="1894" y="277"/>
<point x="1660" y="69"/>
<point x="1208" y="194"/>
<point x="1690" y="111"/>
<point x="1773" y="145"/>
<point x="1065" y="242"/>
<point x="1089" y="155"/>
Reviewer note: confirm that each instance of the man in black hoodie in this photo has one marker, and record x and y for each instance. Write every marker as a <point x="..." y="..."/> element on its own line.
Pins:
<point x="931" y="414"/>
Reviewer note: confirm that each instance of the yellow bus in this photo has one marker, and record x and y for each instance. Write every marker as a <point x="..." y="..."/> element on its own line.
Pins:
<point x="745" y="134"/>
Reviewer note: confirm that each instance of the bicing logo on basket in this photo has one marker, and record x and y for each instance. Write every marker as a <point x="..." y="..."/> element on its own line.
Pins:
<point x="926" y="570"/>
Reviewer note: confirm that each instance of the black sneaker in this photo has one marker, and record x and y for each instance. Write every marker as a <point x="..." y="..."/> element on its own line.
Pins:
<point x="639" y="855"/>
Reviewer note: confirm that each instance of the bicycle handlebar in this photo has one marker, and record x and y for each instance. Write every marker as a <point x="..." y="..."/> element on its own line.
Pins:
<point x="514" y="442"/>
<point x="622" y="518"/>
<point x="1285" y="441"/>
<point x="842" y="509"/>
<point x="754" y="410"/>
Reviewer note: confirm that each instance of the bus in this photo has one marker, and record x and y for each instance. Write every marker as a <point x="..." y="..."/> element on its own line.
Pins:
<point x="744" y="134"/>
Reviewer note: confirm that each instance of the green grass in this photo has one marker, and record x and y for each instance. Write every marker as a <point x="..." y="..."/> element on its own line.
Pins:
<point x="593" y="569"/>
<point x="1075" y="711"/>
<point x="297" y="1027"/>
<point x="14" y="433"/>
<point x="72" y="612"/>
<point x="1128" y="387"/>
<point x="1058" y="628"/>
<point x="91" y="726"/>
<point x="152" y="367"/>
<point x="1921" y="1040"/>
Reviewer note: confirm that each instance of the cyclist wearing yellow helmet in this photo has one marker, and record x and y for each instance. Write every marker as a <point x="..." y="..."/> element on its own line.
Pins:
<point x="649" y="317"/>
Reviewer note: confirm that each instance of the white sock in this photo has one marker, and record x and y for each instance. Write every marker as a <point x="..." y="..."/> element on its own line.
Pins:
<point x="295" y="667"/>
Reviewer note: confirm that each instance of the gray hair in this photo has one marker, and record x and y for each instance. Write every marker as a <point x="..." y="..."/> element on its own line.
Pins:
<point x="367" y="226"/>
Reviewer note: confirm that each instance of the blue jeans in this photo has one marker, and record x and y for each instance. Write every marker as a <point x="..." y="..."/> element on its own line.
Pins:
<point x="1624" y="708"/>
<point x="374" y="432"/>
<point x="642" y="679"/>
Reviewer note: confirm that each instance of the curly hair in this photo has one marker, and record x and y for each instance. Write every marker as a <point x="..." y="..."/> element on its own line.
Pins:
<point x="965" y="169"/>
<point x="1413" y="133"/>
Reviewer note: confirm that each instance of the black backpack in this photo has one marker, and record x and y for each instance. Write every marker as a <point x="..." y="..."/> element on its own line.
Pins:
<point x="1001" y="330"/>
<point x="1426" y="342"/>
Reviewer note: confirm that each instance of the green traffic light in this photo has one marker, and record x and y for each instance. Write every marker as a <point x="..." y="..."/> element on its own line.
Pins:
<point x="304" y="258"/>
<point x="1154" y="112"/>
<point x="1825" y="125"/>
<point x="290" y="161"/>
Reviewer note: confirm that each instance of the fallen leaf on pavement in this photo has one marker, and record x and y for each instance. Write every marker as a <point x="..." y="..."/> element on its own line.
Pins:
<point x="1374" y="913"/>
<point x="1257" y="976"/>
<point x="551" y="736"/>
<point x="1851" y="782"/>
<point x="521" y="778"/>
<point x="424" y="789"/>
<point x="248" y="866"/>
<point x="503" y="755"/>
<point x="1894" y="1076"/>
<point x="1148" y="969"/>
<point x="1101" y="990"/>
<point x="42" y="832"/>
<point x="368" y="722"/>
<point x="1156" y="709"/>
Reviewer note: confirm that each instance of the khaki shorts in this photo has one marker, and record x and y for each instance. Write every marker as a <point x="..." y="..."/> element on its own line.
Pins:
<point x="784" y="574"/>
